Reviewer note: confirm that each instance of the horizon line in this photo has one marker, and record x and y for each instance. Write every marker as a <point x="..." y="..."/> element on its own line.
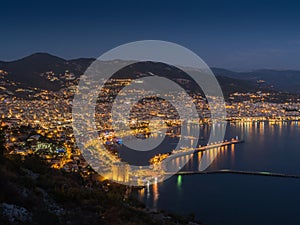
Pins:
<point x="95" y="58"/>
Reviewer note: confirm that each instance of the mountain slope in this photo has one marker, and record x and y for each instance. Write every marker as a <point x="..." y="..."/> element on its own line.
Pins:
<point x="28" y="71"/>
<point x="33" y="193"/>
<point x="45" y="71"/>
<point x="279" y="80"/>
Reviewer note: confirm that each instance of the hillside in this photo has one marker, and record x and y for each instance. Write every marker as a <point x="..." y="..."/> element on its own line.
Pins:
<point x="30" y="71"/>
<point x="42" y="71"/>
<point x="45" y="71"/>
<point x="33" y="193"/>
<point x="279" y="80"/>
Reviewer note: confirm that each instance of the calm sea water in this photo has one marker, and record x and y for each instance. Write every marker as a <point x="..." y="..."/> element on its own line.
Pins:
<point x="234" y="199"/>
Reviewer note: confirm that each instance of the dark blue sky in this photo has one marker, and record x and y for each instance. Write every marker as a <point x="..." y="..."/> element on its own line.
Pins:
<point x="240" y="35"/>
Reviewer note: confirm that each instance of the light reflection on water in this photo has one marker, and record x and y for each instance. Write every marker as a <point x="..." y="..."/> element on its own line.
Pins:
<point x="269" y="147"/>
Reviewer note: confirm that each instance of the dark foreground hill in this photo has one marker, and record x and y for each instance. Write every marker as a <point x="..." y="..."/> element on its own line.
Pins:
<point x="31" y="193"/>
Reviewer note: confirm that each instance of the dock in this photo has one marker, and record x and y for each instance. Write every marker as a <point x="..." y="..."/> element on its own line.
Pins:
<point x="226" y="171"/>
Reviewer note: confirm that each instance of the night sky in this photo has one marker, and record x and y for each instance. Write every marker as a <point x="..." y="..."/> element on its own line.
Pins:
<point x="239" y="35"/>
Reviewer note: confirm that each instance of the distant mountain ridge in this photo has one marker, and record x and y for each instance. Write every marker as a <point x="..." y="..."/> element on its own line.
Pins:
<point x="30" y="72"/>
<point x="279" y="80"/>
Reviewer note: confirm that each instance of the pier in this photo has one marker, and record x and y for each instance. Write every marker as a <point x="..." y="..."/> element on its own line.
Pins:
<point x="226" y="171"/>
<point x="188" y="151"/>
<point x="223" y="171"/>
<point x="217" y="145"/>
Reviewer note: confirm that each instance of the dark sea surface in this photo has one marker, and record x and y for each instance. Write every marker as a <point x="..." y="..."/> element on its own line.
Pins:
<point x="236" y="199"/>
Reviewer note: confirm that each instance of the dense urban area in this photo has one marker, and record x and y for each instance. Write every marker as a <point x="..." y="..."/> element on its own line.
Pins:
<point x="39" y="144"/>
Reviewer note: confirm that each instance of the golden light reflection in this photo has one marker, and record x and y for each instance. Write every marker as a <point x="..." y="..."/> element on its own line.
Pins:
<point x="232" y="153"/>
<point x="191" y="162"/>
<point x="199" y="156"/>
<point x="177" y="161"/>
<point x="141" y="194"/>
<point x="155" y="194"/>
